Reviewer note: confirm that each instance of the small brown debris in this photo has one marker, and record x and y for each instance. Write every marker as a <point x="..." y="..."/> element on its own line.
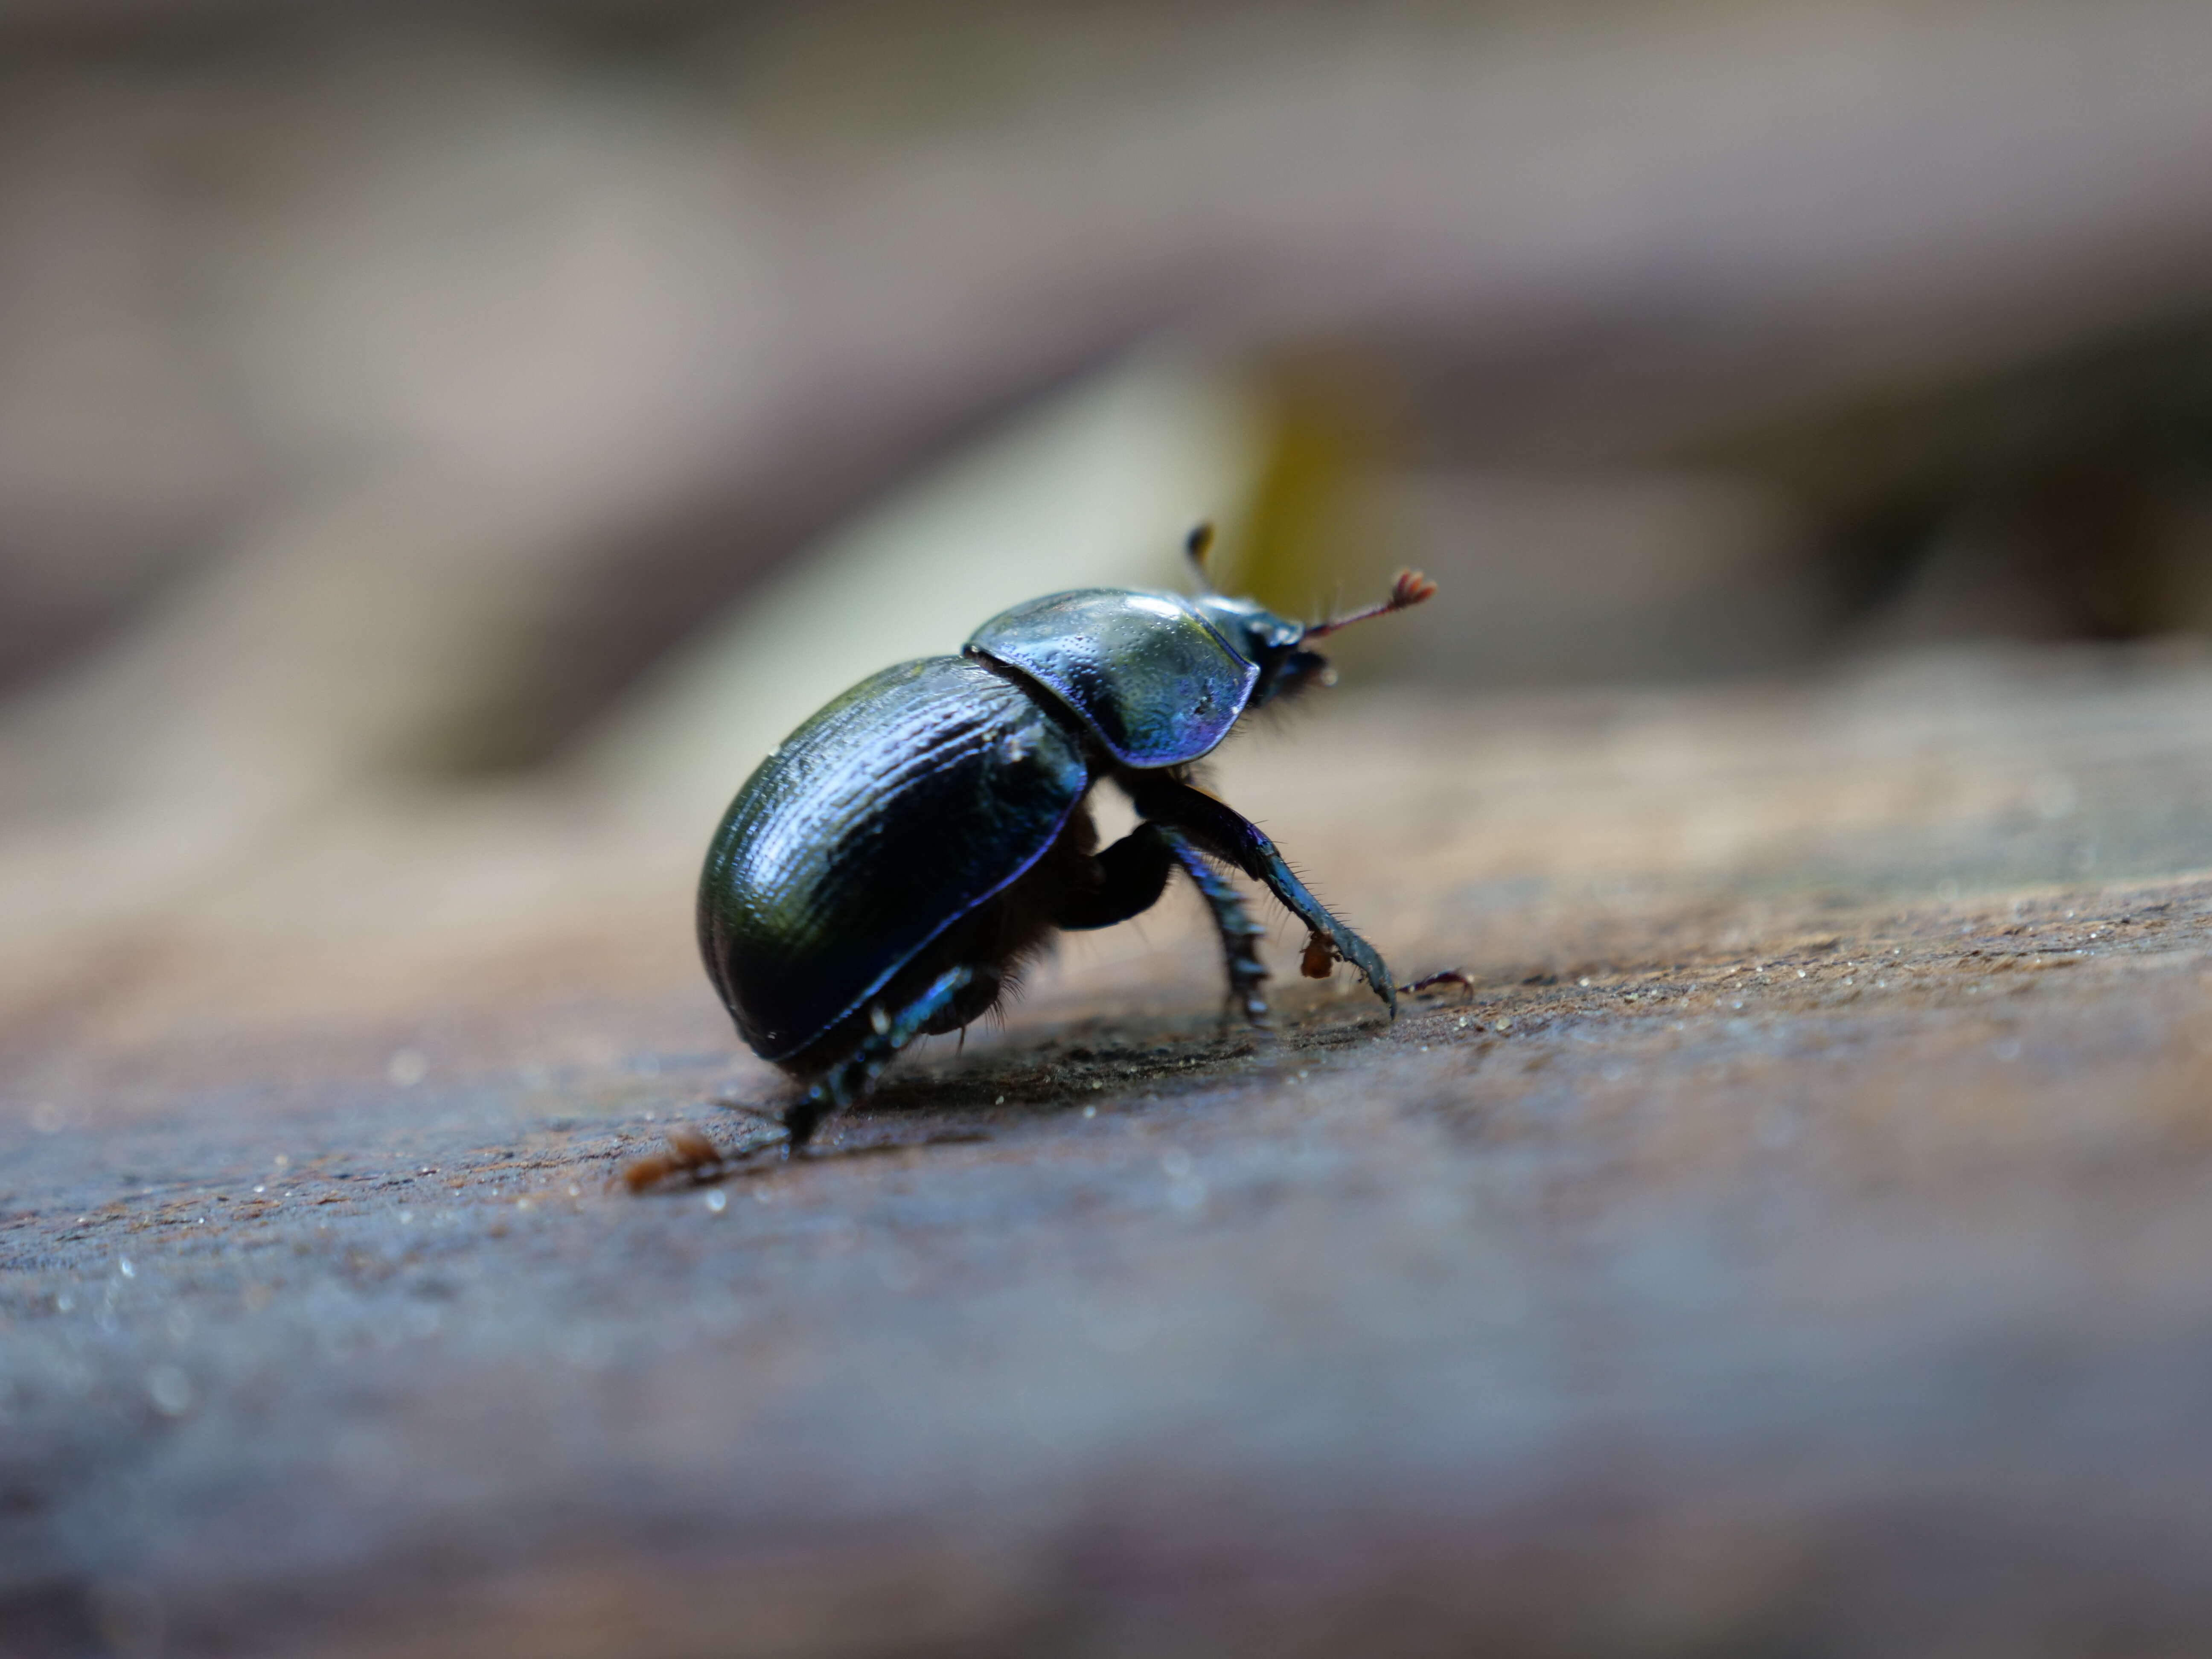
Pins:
<point x="690" y="1152"/>
<point x="1320" y="957"/>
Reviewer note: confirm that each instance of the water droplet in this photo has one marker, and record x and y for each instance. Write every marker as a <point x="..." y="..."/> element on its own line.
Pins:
<point x="1000" y="1101"/>
<point x="260" y="1189"/>
<point x="46" y="1118"/>
<point x="1088" y="1111"/>
<point x="717" y="1201"/>
<point x="2008" y="1049"/>
<point x="406" y="1067"/>
<point x="123" y="1266"/>
<point x="2054" y="797"/>
<point x="170" y="1390"/>
<point x="1175" y="1164"/>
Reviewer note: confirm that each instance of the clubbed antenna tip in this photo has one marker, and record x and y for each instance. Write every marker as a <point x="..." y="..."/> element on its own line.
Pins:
<point x="1410" y="588"/>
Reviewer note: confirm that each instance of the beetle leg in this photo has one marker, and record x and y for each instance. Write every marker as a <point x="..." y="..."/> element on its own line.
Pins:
<point x="1133" y="873"/>
<point x="1240" y="934"/>
<point x="1450" y="976"/>
<point x="1219" y="829"/>
<point x="855" y="1074"/>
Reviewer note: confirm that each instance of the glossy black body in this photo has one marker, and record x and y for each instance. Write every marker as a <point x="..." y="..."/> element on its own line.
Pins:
<point x="1156" y="683"/>
<point x="898" y="809"/>
<point x="885" y="870"/>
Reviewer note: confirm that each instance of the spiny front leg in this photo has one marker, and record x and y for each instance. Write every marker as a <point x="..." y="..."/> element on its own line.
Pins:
<point x="1240" y="934"/>
<point x="855" y="1074"/>
<point x="1219" y="829"/>
<point x="1131" y="873"/>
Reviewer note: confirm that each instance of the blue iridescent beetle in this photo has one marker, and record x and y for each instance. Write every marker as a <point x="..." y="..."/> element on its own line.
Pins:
<point x="883" y="874"/>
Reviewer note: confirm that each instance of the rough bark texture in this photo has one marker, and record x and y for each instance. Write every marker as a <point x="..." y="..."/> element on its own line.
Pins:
<point x="1794" y="1241"/>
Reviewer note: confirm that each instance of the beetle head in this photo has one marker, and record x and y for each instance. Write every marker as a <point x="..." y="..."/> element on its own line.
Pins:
<point x="1283" y="650"/>
<point x="1264" y="639"/>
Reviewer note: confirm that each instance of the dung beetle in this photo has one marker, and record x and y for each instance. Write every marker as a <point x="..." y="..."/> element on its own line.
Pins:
<point x="886" y="870"/>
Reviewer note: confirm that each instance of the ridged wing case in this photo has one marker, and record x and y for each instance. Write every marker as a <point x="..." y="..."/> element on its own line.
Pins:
<point x="890" y="814"/>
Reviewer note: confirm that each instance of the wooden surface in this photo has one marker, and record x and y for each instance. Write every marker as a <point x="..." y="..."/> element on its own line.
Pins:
<point x="1796" y="1242"/>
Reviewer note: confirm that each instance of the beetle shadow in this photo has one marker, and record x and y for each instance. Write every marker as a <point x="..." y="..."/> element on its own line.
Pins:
<point x="954" y="1098"/>
<point x="1047" y="1068"/>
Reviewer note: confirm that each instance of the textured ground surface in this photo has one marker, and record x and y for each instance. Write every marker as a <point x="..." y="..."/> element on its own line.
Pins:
<point x="1795" y="1242"/>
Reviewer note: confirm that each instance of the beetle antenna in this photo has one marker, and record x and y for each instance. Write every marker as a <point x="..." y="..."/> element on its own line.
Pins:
<point x="1410" y="589"/>
<point x="1195" y="547"/>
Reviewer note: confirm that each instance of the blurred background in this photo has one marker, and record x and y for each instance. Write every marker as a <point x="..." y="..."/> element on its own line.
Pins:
<point x="444" y="446"/>
<point x="460" y="428"/>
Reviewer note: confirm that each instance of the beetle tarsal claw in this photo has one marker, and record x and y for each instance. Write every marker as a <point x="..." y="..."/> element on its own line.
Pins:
<point x="1450" y="976"/>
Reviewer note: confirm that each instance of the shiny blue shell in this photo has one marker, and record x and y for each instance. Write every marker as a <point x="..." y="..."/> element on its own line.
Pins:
<point x="1158" y="683"/>
<point x="876" y="825"/>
